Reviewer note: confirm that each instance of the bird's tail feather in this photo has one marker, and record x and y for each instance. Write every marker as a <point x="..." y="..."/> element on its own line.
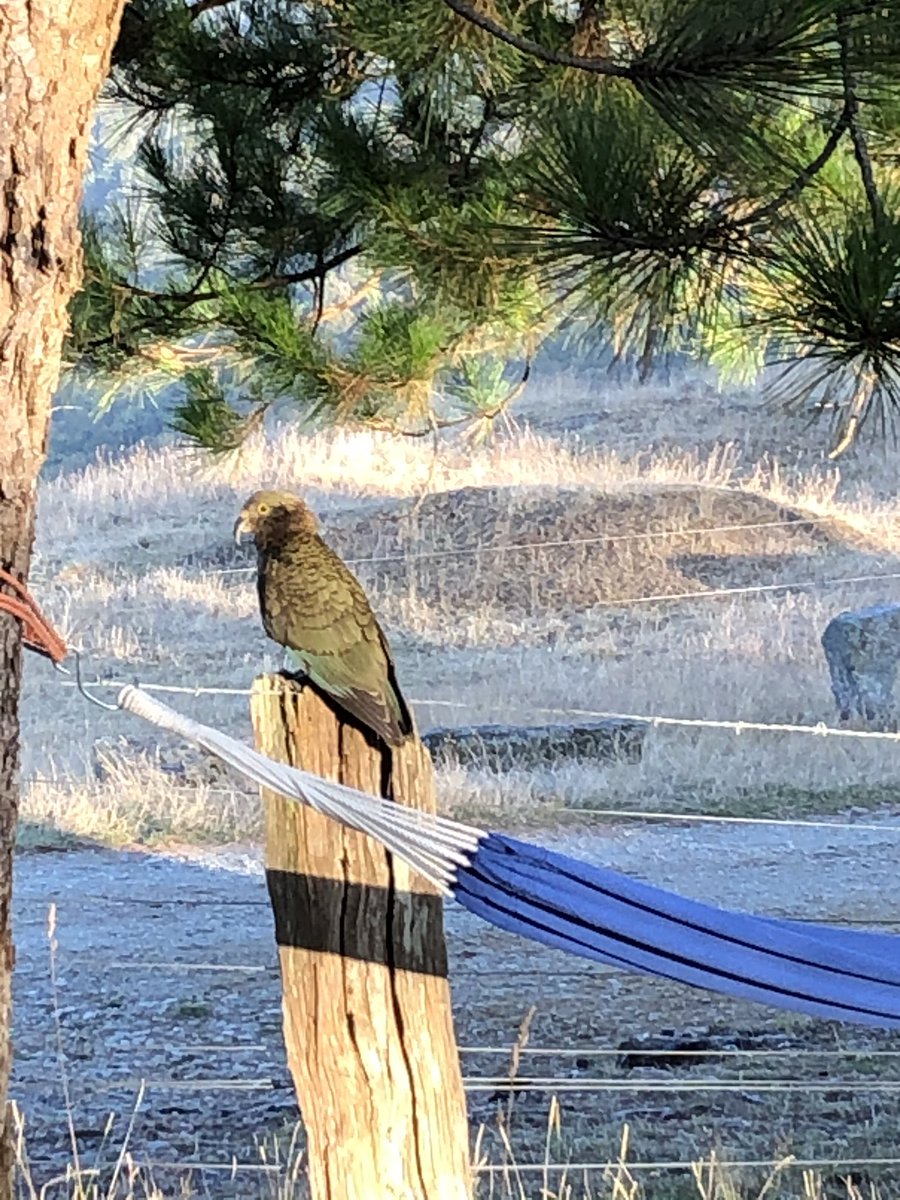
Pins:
<point x="389" y="718"/>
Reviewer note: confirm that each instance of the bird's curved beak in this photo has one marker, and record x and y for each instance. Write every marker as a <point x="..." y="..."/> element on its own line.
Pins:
<point x="241" y="529"/>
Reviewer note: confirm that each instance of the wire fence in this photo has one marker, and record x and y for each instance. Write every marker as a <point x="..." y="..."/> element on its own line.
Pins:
<point x="658" y="720"/>
<point x="680" y="1164"/>
<point x="216" y="902"/>
<point x="797" y="524"/>
<point x="585" y="1053"/>
<point x="582" y="1075"/>
<point x="503" y="1087"/>
<point x="510" y="1169"/>
<point x="560" y="1085"/>
<point x="696" y="594"/>
<point x="411" y="557"/>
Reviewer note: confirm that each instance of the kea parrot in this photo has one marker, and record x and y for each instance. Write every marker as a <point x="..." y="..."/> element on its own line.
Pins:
<point x="313" y="604"/>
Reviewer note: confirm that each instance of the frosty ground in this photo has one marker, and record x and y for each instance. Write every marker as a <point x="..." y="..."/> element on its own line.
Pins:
<point x="168" y="1000"/>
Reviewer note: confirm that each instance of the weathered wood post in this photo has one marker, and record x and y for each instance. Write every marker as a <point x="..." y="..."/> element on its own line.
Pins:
<point x="367" y="1019"/>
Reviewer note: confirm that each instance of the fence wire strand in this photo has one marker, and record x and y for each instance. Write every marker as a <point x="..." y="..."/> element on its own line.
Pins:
<point x="563" y="1085"/>
<point x="680" y="1164"/>
<point x="820" y="730"/>
<point x="504" y="1085"/>
<point x="796" y="523"/>
<point x="797" y="585"/>
<point x="234" y="1167"/>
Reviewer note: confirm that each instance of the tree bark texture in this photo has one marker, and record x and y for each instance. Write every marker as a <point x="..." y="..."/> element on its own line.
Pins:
<point x="54" y="56"/>
<point x="367" y="1019"/>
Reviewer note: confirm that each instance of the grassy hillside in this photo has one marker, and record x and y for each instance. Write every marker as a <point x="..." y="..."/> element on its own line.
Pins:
<point x="545" y="572"/>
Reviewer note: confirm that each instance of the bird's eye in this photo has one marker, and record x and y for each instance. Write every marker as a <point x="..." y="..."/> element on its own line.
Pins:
<point x="262" y="509"/>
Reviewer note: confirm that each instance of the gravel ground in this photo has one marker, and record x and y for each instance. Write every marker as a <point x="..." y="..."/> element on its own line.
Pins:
<point x="167" y="973"/>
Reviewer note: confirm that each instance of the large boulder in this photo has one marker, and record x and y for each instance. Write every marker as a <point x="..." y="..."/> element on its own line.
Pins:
<point x="862" y="648"/>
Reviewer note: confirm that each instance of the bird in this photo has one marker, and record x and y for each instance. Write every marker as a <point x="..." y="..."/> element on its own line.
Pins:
<point x="312" y="604"/>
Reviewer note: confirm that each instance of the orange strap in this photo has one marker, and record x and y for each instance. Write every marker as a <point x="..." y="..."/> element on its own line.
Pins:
<point x="37" y="632"/>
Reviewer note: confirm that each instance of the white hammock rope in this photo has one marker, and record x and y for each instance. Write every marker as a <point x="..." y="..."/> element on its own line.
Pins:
<point x="435" y="846"/>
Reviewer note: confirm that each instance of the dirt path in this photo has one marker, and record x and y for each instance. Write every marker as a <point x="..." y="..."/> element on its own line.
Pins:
<point x="167" y="973"/>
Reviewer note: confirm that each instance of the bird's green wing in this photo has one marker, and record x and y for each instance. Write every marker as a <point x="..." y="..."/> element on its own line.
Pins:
<point x="328" y="624"/>
<point x="369" y="694"/>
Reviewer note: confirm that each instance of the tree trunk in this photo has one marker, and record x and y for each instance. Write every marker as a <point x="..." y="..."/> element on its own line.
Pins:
<point x="367" y="1021"/>
<point x="54" y="55"/>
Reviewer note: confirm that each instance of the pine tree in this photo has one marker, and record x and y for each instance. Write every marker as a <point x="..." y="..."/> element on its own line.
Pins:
<point x="378" y="209"/>
<point x="53" y="58"/>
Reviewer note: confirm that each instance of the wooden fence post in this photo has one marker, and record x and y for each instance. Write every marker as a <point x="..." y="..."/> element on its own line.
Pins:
<point x="367" y="1019"/>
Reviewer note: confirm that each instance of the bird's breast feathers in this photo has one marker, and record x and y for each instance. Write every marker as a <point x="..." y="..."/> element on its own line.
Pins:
<point x="311" y="601"/>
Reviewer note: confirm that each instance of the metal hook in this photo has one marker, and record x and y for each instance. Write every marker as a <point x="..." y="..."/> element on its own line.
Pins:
<point x="79" y="683"/>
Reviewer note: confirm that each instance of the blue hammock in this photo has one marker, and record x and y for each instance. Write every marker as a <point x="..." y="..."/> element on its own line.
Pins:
<point x="840" y="974"/>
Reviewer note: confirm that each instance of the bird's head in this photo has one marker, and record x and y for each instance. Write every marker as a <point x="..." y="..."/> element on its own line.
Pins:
<point x="269" y="516"/>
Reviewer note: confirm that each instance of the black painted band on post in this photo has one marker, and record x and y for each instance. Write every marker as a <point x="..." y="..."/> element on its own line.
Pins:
<point x="371" y="925"/>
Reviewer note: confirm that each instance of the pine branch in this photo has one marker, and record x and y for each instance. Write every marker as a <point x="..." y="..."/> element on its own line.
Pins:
<point x="366" y="289"/>
<point x="488" y="113"/>
<point x="222" y="240"/>
<point x="319" y="295"/>
<point x="557" y="58"/>
<point x="806" y="175"/>
<point x="859" y="408"/>
<point x="857" y="136"/>
<point x="269" y="281"/>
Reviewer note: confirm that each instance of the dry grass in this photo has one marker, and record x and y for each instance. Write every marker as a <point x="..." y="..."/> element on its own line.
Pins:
<point x="504" y="1177"/>
<point x="138" y="802"/>
<point x="114" y="1172"/>
<point x="131" y="553"/>
<point x="129" y="561"/>
<point x="709" y="1178"/>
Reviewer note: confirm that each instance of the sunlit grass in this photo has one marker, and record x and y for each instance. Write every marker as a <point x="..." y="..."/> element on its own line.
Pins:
<point x="131" y="553"/>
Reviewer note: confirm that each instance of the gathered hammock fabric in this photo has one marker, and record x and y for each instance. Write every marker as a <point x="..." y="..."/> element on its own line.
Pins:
<point x="599" y="914"/>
